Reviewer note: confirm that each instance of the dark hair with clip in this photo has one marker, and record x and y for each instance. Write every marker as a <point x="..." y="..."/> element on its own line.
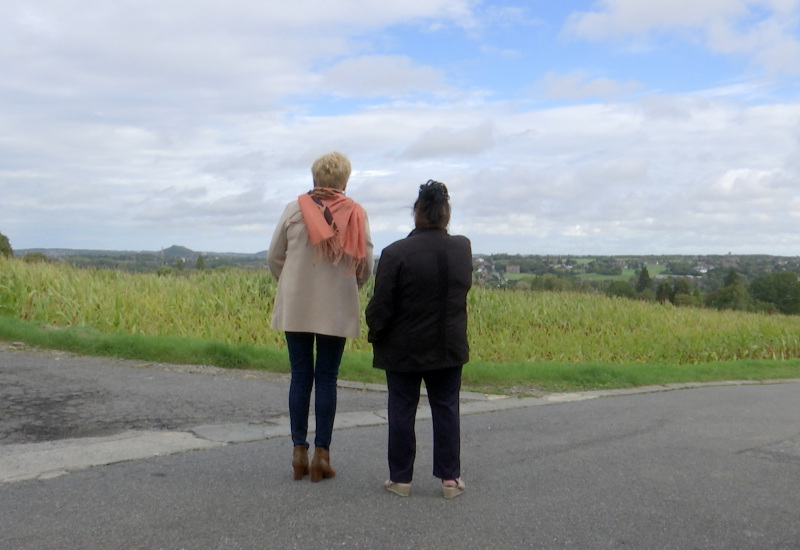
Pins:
<point x="432" y="207"/>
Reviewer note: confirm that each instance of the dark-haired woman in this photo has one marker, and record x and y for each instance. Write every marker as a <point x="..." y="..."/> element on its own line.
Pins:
<point x="417" y="321"/>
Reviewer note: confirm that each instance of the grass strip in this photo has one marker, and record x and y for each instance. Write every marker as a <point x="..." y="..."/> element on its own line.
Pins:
<point x="357" y="365"/>
<point x="568" y="377"/>
<point x="165" y="349"/>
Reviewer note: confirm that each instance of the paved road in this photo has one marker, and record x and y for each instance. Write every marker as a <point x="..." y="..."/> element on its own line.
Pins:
<point x="50" y="396"/>
<point x="98" y="453"/>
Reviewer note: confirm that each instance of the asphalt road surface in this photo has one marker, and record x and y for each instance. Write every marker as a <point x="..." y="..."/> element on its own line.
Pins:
<point x="105" y="454"/>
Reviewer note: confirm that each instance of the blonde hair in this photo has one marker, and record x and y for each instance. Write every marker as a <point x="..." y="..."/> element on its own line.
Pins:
<point x="331" y="170"/>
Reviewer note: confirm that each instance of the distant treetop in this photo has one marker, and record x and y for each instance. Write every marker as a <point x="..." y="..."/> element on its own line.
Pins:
<point x="5" y="247"/>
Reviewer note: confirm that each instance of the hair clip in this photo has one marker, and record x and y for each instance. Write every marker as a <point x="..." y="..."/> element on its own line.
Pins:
<point x="435" y="186"/>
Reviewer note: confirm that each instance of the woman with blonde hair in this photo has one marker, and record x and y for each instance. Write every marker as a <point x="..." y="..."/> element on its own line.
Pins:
<point x="321" y="253"/>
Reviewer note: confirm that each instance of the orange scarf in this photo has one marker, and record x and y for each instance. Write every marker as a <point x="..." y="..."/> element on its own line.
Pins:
<point x="336" y="226"/>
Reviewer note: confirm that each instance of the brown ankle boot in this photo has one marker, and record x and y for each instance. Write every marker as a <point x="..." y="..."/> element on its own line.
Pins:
<point x="300" y="461"/>
<point x="321" y="465"/>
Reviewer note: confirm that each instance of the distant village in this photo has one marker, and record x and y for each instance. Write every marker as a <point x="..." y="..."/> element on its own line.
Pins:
<point x="504" y="270"/>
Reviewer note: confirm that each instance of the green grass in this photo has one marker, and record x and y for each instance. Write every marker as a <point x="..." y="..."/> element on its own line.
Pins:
<point x="550" y="340"/>
<point x="626" y="275"/>
<point x="357" y="365"/>
<point x="569" y="377"/>
<point x="167" y="349"/>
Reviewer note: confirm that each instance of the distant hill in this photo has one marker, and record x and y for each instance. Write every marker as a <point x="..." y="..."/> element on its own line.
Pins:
<point x="148" y="261"/>
<point x="174" y="251"/>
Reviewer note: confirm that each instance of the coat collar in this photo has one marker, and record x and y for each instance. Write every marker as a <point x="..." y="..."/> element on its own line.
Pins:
<point x="421" y="230"/>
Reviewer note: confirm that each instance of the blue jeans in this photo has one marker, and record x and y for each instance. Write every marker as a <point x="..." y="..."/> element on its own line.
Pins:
<point x="305" y="374"/>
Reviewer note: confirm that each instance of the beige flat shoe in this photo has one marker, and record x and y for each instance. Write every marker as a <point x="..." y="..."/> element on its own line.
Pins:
<point x="453" y="492"/>
<point x="400" y="489"/>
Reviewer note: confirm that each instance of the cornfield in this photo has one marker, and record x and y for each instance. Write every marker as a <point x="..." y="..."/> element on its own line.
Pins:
<point x="234" y="306"/>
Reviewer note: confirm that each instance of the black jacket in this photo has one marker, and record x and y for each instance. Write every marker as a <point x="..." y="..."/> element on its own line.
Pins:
<point x="417" y="317"/>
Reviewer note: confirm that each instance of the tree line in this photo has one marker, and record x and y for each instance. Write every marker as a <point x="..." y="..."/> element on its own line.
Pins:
<point x="743" y="283"/>
<point x="778" y="291"/>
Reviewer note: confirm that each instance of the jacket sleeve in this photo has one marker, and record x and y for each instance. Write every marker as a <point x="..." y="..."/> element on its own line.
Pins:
<point x="365" y="269"/>
<point x="380" y="309"/>
<point x="276" y="255"/>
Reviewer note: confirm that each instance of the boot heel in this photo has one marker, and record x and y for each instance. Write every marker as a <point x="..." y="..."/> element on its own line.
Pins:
<point x="299" y="472"/>
<point x="300" y="462"/>
<point x="321" y="465"/>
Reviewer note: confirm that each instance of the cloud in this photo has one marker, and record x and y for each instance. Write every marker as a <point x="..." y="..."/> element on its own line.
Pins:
<point x="626" y="17"/>
<point x="382" y="75"/>
<point x="763" y="30"/>
<point x="202" y="53"/>
<point x="445" y="141"/>
<point x="195" y="123"/>
<point x="578" y="85"/>
<point x="772" y="42"/>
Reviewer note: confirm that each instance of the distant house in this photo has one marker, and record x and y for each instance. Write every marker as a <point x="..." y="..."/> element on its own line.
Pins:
<point x="512" y="269"/>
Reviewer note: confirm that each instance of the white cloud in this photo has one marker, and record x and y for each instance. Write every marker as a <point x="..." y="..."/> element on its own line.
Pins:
<point x="382" y="75"/>
<point x="578" y="85"/>
<point x="764" y="30"/>
<point x="446" y="141"/>
<point x="634" y="17"/>
<point x="773" y="42"/>
<point x="203" y="53"/>
<point x="194" y="123"/>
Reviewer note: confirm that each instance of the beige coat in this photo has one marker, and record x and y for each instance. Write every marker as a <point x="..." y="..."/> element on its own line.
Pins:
<point x="313" y="296"/>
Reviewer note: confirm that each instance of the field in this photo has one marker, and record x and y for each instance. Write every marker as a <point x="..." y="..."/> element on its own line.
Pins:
<point x="626" y="275"/>
<point x="233" y="307"/>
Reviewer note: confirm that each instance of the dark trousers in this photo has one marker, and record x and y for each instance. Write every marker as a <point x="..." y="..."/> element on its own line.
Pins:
<point x="308" y="373"/>
<point x="443" y="386"/>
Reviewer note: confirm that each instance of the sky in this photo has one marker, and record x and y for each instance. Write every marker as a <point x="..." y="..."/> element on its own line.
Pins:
<point x="571" y="127"/>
